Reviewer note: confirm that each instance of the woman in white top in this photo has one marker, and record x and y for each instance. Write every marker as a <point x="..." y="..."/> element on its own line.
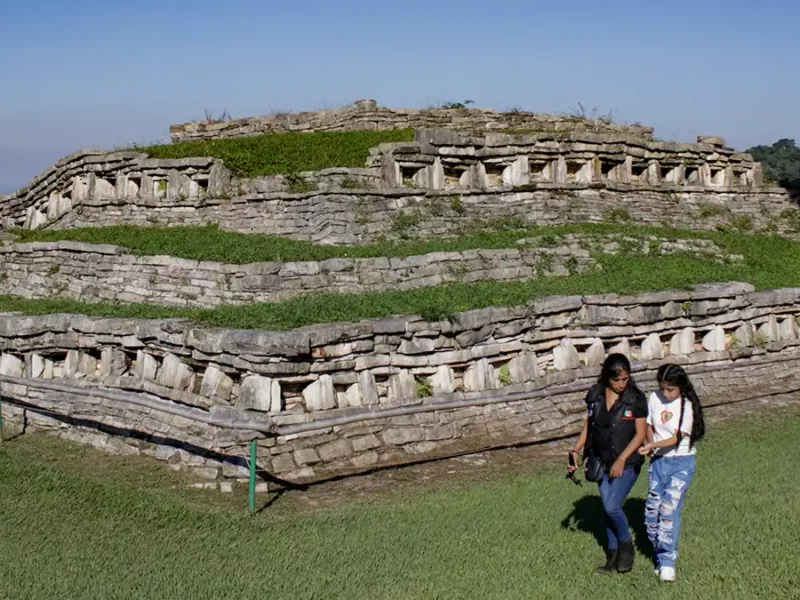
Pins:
<point x="674" y="424"/>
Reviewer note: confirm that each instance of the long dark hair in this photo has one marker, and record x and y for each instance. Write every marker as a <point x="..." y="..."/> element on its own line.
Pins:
<point x="614" y="366"/>
<point x="675" y="375"/>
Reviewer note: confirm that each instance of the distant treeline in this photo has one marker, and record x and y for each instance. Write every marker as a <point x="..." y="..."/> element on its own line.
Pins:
<point x="781" y="162"/>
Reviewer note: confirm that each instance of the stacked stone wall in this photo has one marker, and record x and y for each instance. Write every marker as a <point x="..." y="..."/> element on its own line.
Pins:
<point x="93" y="273"/>
<point x="367" y="116"/>
<point x="351" y="396"/>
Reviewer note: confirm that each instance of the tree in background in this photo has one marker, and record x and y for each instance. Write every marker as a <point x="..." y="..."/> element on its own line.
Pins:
<point x="781" y="162"/>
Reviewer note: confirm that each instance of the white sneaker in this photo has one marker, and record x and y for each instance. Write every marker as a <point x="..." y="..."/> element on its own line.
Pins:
<point x="667" y="574"/>
<point x="657" y="571"/>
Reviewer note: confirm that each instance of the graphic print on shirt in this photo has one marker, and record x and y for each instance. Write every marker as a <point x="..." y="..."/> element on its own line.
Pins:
<point x="666" y="416"/>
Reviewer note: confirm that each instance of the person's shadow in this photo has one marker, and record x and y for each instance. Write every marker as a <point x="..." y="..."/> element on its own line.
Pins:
<point x="588" y="516"/>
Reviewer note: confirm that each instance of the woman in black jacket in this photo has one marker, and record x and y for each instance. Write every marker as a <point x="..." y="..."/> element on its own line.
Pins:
<point x="615" y="429"/>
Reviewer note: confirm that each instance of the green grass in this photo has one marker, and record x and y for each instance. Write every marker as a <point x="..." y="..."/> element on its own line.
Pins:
<point x="209" y="243"/>
<point x="769" y="262"/>
<point x="73" y="530"/>
<point x="286" y="152"/>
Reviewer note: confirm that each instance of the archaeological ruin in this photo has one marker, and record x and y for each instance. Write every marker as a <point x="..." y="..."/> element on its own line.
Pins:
<point x="340" y="398"/>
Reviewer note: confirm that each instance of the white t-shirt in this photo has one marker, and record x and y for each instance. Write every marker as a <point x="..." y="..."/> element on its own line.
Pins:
<point x="664" y="416"/>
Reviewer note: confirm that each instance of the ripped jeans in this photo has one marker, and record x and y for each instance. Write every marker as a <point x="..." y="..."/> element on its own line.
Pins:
<point x="670" y="478"/>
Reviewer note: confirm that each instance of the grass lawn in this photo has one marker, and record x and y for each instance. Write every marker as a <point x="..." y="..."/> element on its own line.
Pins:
<point x="76" y="525"/>
<point x="769" y="262"/>
<point x="284" y="153"/>
<point x="213" y="244"/>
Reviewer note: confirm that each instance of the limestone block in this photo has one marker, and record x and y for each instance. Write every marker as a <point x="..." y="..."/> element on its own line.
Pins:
<point x="255" y="393"/>
<point x="216" y="384"/>
<point x="652" y="348"/>
<point x="523" y="367"/>
<point x="596" y="354"/>
<point x="276" y="397"/>
<point x="482" y="179"/>
<point x="436" y="176"/>
<point x="11" y="365"/>
<point x="352" y="396"/>
<point x="624" y="348"/>
<point x="417" y="346"/>
<point x="320" y="395"/>
<point x="175" y="373"/>
<point x="402" y="387"/>
<point x="584" y="174"/>
<point x="38" y="367"/>
<point x="34" y="218"/>
<point x="79" y="189"/>
<point x="770" y="331"/>
<point x="559" y="167"/>
<point x="788" y="329"/>
<point x="369" y="388"/>
<point x="443" y="381"/>
<point x="744" y="336"/>
<point x="714" y="340"/>
<point x="565" y="356"/>
<point x="335" y="449"/>
<point x="146" y="366"/>
<point x="518" y="172"/>
<point x="682" y="343"/>
<point x="480" y="376"/>
<point x="79" y="364"/>
<point x="113" y="362"/>
<point x="405" y="435"/>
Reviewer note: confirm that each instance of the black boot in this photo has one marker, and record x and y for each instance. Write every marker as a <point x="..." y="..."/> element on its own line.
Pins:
<point x="611" y="563"/>
<point x="625" y="563"/>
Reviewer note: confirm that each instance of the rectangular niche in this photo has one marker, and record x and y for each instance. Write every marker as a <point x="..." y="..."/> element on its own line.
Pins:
<point x="671" y="173"/>
<point x="639" y="172"/>
<point x="610" y="170"/>
<point x="494" y="173"/>
<point x="692" y="175"/>
<point x="579" y="171"/>
<point x="717" y="175"/>
<point x="408" y="173"/>
<point x="134" y="184"/>
<point x="541" y="170"/>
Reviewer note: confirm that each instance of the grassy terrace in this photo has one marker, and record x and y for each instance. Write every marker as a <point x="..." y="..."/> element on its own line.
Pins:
<point x="77" y="524"/>
<point x="213" y="244"/>
<point x="286" y="152"/>
<point x="769" y="262"/>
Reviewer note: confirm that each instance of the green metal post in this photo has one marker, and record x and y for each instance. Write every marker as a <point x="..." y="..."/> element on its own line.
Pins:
<point x="251" y="504"/>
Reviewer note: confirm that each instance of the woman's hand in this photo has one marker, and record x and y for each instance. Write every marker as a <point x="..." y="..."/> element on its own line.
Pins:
<point x="646" y="449"/>
<point x="616" y="469"/>
<point x="573" y="464"/>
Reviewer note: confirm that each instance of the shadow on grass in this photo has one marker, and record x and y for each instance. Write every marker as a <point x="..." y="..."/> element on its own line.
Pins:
<point x="588" y="516"/>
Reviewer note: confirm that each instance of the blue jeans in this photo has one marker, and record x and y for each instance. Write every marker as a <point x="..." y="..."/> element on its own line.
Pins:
<point x="613" y="493"/>
<point x="670" y="478"/>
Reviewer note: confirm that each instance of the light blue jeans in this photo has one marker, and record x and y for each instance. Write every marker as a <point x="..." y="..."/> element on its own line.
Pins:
<point x="613" y="493"/>
<point x="670" y="478"/>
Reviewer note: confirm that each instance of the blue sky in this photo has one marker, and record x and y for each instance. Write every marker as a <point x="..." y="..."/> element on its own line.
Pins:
<point x="90" y="74"/>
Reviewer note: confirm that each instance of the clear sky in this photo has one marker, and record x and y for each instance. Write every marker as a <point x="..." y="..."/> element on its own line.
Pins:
<point x="90" y="74"/>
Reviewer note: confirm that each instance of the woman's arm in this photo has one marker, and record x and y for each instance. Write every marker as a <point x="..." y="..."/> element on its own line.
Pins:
<point x="641" y="432"/>
<point x="579" y="444"/>
<point x="650" y="434"/>
<point x="651" y="445"/>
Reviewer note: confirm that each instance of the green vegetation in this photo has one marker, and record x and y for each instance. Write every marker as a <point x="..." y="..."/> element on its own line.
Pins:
<point x="284" y="153"/>
<point x="781" y="162"/>
<point x="769" y="262"/>
<point x="77" y="524"/>
<point x="213" y="244"/>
